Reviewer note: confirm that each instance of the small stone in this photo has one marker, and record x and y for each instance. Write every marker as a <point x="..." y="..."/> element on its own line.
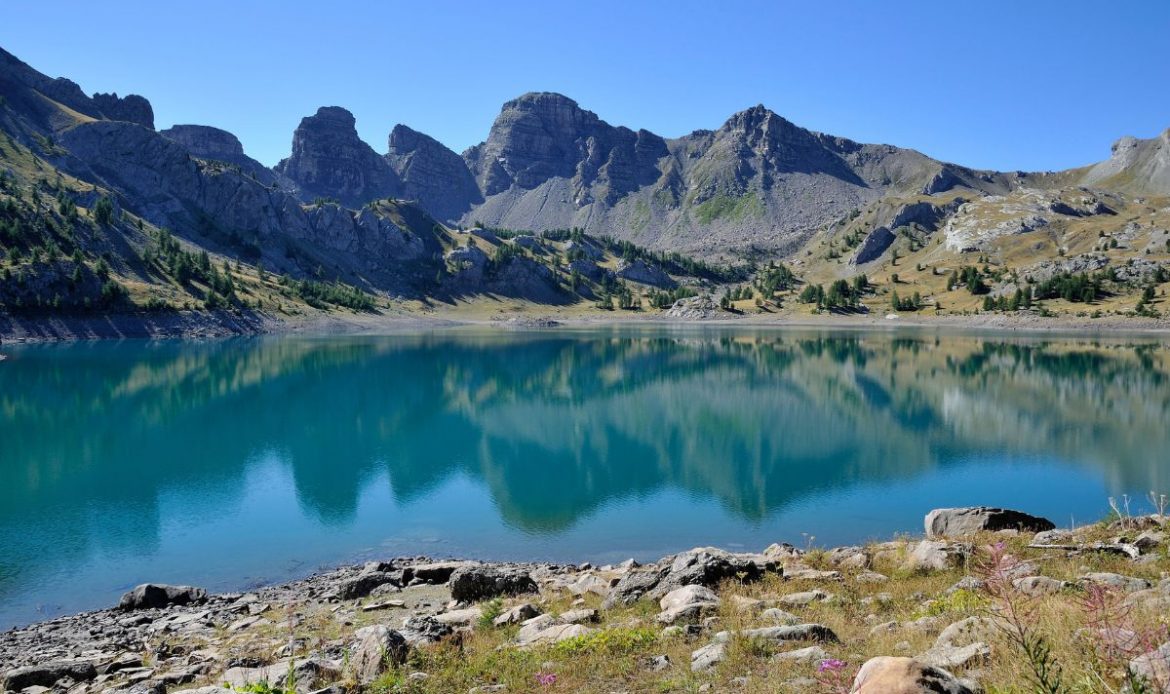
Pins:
<point x="804" y="598"/>
<point x="802" y="655"/>
<point x="707" y="657"/>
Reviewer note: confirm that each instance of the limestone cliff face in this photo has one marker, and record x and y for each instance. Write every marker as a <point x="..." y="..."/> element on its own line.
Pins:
<point x="206" y="142"/>
<point x="37" y="98"/>
<point x="329" y="160"/>
<point x="228" y="210"/>
<point x="130" y="108"/>
<point x="431" y="174"/>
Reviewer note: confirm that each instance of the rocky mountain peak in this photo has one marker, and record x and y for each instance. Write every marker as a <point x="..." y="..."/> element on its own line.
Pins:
<point x="206" y="142"/>
<point x="543" y="135"/>
<point x="131" y="108"/>
<point x="432" y="174"/>
<point x="329" y="160"/>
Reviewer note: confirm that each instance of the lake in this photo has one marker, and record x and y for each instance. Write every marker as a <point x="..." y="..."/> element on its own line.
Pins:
<point x="230" y="463"/>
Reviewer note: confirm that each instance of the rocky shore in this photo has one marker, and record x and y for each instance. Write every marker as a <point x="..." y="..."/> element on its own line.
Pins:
<point x="987" y="599"/>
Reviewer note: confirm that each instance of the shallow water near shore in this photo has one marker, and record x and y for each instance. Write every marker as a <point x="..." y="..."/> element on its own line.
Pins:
<point x="231" y="463"/>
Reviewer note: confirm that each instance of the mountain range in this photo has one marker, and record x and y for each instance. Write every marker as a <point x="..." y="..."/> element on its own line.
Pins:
<point x="758" y="187"/>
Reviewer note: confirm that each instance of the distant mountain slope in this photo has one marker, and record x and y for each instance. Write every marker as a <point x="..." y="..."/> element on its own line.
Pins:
<point x="1136" y="166"/>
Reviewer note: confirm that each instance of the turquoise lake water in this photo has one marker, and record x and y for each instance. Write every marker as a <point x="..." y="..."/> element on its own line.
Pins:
<point x="232" y="463"/>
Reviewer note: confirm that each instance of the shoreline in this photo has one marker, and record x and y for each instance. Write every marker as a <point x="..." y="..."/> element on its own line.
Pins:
<point x="172" y="638"/>
<point x="195" y="325"/>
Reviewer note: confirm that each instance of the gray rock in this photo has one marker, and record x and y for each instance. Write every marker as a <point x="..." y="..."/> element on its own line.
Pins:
<point x="1154" y="667"/>
<point x="951" y="522"/>
<point x="420" y="630"/>
<point x="585" y="614"/>
<point x="796" y="632"/>
<point x="153" y="595"/>
<point x="966" y="631"/>
<point x="804" y="598"/>
<point x="434" y="572"/>
<point x="364" y="583"/>
<point x="375" y="649"/>
<point x="949" y="657"/>
<point x="47" y="674"/>
<point x="688" y="595"/>
<point x="518" y="614"/>
<point x="930" y="555"/>
<point x="307" y="675"/>
<point x="474" y="583"/>
<point x="1128" y="584"/>
<point x="808" y="654"/>
<point x="707" y="657"/>
<point x="775" y="614"/>
<point x="531" y="634"/>
<point x="459" y="618"/>
<point x="151" y="687"/>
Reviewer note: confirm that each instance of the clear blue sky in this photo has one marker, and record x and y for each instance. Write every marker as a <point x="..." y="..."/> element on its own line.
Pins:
<point x="1033" y="84"/>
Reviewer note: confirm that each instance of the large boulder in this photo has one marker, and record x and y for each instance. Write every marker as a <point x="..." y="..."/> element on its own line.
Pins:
<point x="702" y="566"/>
<point x="47" y="674"/>
<point x="474" y="583"/>
<point x="888" y="675"/>
<point x="155" y="595"/>
<point x="952" y="522"/>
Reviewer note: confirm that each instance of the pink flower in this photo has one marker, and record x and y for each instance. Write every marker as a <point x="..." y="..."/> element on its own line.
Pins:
<point x="546" y="679"/>
<point x="831" y="665"/>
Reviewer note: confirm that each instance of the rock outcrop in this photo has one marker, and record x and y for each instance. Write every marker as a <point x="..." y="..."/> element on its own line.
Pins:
<point x="206" y="142"/>
<point x="131" y="108"/>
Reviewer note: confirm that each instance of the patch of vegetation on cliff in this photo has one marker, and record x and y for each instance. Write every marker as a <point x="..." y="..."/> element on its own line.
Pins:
<point x="732" y="208"/>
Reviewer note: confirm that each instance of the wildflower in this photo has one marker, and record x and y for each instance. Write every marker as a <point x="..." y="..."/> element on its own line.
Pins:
<point x="831" y="665"/>
<point x="546" y="679"/>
